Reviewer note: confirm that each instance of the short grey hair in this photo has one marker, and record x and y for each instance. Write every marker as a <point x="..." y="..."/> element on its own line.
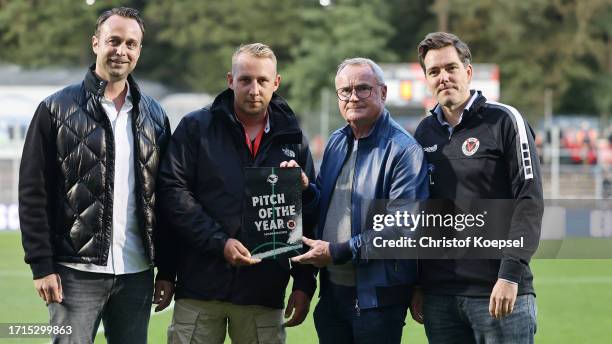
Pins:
<point x="378" y="72"/>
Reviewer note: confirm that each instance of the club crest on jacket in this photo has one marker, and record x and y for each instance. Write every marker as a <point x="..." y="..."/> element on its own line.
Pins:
<point x="470" y="146"/>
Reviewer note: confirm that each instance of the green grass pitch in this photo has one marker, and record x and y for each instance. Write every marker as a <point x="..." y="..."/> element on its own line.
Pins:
<point x="574" y="300"/>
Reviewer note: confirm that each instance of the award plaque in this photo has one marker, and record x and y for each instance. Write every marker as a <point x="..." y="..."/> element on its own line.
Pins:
<point x="272" y="217"/>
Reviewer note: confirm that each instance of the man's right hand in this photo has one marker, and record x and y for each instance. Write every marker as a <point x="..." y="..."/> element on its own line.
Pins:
<point x="50" y="288"/>
<point x="238" y="255"/>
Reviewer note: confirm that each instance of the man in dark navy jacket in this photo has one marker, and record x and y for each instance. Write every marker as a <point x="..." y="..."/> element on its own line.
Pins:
<point x="220" y="288"/>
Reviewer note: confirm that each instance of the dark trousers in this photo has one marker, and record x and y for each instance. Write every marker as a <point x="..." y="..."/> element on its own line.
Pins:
<point x="121" y="302"/>
<point x="466" y="320"/>
<point x="339" y="321"/>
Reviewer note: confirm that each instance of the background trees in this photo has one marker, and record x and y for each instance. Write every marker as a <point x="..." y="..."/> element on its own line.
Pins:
<point x="561" y="45"/>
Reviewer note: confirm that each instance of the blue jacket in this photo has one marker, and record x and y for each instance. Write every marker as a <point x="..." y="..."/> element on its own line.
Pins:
<point x="390" y="164"/>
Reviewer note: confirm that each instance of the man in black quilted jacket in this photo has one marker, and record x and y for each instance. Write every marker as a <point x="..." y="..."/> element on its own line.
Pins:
<point x="87" y="193"/>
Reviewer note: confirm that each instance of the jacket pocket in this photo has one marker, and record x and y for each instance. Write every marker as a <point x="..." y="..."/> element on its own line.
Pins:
<point x="269" y="327"/>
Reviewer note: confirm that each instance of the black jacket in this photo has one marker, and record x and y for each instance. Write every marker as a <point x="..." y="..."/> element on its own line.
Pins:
<point x="67" y="171"/>
<point x="201" y="195"/>
<point x="501" y="163"/>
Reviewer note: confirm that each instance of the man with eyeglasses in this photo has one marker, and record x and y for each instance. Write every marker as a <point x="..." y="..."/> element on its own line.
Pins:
<point x="87" y="193"/>
<point x="371" y="158"/>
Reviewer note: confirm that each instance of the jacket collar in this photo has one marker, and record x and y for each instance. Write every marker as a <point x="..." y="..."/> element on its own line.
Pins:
<point x="376" y="132"/>
<point x="475" y="102"/>
<point x="280" y="115"/>
<point x="96" y="85"/>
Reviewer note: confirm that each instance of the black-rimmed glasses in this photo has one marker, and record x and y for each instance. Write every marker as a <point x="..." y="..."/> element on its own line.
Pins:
<point x="361" y="91"/>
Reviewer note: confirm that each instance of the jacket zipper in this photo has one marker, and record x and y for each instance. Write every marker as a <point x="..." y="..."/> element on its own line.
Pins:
<point x="109" y="185"/>
<point x="138" y="179"/>
<point x="355" y="151"/>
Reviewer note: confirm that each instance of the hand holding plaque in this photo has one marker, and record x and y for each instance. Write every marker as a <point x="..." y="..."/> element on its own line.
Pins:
<point x="304" y="177"/>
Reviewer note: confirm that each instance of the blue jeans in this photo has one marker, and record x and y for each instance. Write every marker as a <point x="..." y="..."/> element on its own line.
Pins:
<point x="338" y="321"/>
<point x="465" y="320"/>
<point x="121" y="302"/>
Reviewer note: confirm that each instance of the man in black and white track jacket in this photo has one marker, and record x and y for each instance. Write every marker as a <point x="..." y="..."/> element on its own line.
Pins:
<point x="477" y="150"/>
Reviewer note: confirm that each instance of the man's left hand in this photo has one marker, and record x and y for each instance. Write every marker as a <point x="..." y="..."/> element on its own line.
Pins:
<point x="299" y="305"/>
<point x="303" y="178"/>
<point x="319" y="254"/>
<point x="502" y="299"/>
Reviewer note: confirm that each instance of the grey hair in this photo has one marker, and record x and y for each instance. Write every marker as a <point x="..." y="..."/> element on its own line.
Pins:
<point x="378" y="72"/>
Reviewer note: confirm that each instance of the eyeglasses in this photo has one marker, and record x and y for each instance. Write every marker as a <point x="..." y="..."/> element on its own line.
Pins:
<point x="361" y="91"/>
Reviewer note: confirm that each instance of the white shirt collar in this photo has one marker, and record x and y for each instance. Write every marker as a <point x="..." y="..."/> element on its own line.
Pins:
<point x="127" y="105"/>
